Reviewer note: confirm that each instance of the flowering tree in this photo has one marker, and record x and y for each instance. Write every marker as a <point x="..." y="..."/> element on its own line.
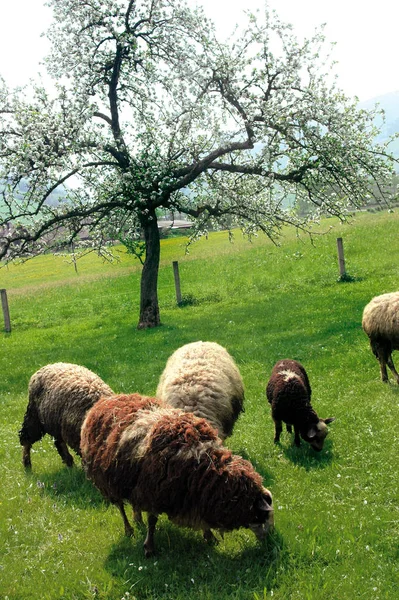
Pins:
<point x="151" y="111"/>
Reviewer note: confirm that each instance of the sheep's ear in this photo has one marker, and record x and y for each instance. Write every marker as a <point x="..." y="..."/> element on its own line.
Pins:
<point x="312" y="432"/>
<point x="329" y="420"/>
<point x="264" y="503"/>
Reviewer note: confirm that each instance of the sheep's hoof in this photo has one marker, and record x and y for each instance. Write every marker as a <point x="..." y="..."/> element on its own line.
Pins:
<point x="129" y="531"/>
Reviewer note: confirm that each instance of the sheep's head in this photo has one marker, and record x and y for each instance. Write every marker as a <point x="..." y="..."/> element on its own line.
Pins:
<point x="264" y="515"/>
<point x="318" y="433"/>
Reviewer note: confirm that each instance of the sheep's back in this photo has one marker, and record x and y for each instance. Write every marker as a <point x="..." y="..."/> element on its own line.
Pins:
<point x="202" y="378"/>
<point x="62" y="394"/>
<point x="381" y="316"/>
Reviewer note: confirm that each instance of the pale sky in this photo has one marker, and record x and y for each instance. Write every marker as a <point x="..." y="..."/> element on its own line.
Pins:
<point x="366" y="36"/>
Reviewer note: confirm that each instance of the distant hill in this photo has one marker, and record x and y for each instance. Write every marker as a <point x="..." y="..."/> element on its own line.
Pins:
<point x="390" y="104"/>
<point x="55" y="197"/>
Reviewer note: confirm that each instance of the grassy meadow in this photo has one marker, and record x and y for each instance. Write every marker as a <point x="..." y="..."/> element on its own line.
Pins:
<point x="336" y="512"/>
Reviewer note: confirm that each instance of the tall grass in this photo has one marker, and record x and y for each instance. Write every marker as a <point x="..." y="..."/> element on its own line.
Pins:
<point x="336" y="513"/>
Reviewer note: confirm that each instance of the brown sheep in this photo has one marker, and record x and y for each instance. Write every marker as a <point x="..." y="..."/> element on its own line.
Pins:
<point x="162" y="460"/>
<point x="60" y="394"/>
<point x="288" y="391"/>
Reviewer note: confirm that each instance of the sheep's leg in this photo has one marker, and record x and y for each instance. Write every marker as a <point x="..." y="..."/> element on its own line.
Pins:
<point x="382" y="353"/>
<point x="209" y="537"/>
<point x="392" y="368"/>
<point x="297" y="440"/>
<point x="137" y="516"/>
<point x="129" y="532"/>
<point x="289" y="428"/>
<point x="149" y="547"/>
<point x="278" y="428"/>
<point x="63" y="452"/>
<point x="383" y="369"/>
<point x="26" y="456"/>
<point x="30" y="432"/>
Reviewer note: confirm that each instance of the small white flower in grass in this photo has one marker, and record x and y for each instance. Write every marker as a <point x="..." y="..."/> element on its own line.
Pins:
<point x="367" y="548"/>
<point x="338" y="475"/>
<point x="192" y="580"/>
<point x="364" y="501"/>
<point x="140" y="568"/>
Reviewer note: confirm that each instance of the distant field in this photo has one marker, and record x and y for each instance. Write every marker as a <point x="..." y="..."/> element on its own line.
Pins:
<point x="336" y="513"/>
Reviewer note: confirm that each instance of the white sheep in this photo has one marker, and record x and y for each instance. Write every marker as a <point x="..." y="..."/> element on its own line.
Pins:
<point x="60" y="395"/>
<point x="202" y="378"/>
<point x="381" y="323"/>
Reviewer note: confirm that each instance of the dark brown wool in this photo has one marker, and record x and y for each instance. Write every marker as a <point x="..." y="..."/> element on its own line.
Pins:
<point x="162" y="460"/>
<point x="288" y="391"/>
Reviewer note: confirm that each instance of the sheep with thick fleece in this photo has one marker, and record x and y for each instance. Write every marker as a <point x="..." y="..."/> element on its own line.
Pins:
<point x="203" y="378"/>
<point x="381" y="323"/>
<point x="289" y="392"/>
<point x="60" y="394"/>
<point x="162" y="460"/>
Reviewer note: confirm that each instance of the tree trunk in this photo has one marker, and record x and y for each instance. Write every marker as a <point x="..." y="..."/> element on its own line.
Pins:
<point x="149" y="309"/>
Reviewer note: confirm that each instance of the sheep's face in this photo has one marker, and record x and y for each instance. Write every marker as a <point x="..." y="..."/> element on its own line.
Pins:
<point x="264" y="516"/>
<point x="318" y="433"/>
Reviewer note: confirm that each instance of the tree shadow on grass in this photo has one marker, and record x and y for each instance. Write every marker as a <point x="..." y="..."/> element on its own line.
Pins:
<point x="68" y="484"/>
<point x="186" y="566"/>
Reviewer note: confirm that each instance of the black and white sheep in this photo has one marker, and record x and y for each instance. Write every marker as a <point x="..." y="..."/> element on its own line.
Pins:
<point x="161" y="460"/>
<point x="202" y="378"/>
<point x="289" y="392"/>
<point x="381" y="323"/>
<point x="60" y="394"/>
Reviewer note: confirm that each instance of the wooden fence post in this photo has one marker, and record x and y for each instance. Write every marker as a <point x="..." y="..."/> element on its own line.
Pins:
<point x="6" y="313"/>
<point x="341" y="259"/>
<point x="177" y="281"/>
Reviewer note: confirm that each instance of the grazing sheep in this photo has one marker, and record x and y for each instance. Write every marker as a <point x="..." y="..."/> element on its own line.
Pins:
<point x="202" y="378"/>
<point x="162" y="460"/>
<point x="381" y="323"/>
<point x="59" y="396"/>
<point x="288" y="391"/>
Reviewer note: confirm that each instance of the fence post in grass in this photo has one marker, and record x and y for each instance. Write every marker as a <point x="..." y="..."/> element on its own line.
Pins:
<point x="6" y="313"/>
<point x="341" y="259"/>
<point x="177" y="281"/>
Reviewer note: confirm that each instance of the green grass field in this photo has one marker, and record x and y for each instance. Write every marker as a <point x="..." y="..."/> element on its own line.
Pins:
<point x="336" y="513"/>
